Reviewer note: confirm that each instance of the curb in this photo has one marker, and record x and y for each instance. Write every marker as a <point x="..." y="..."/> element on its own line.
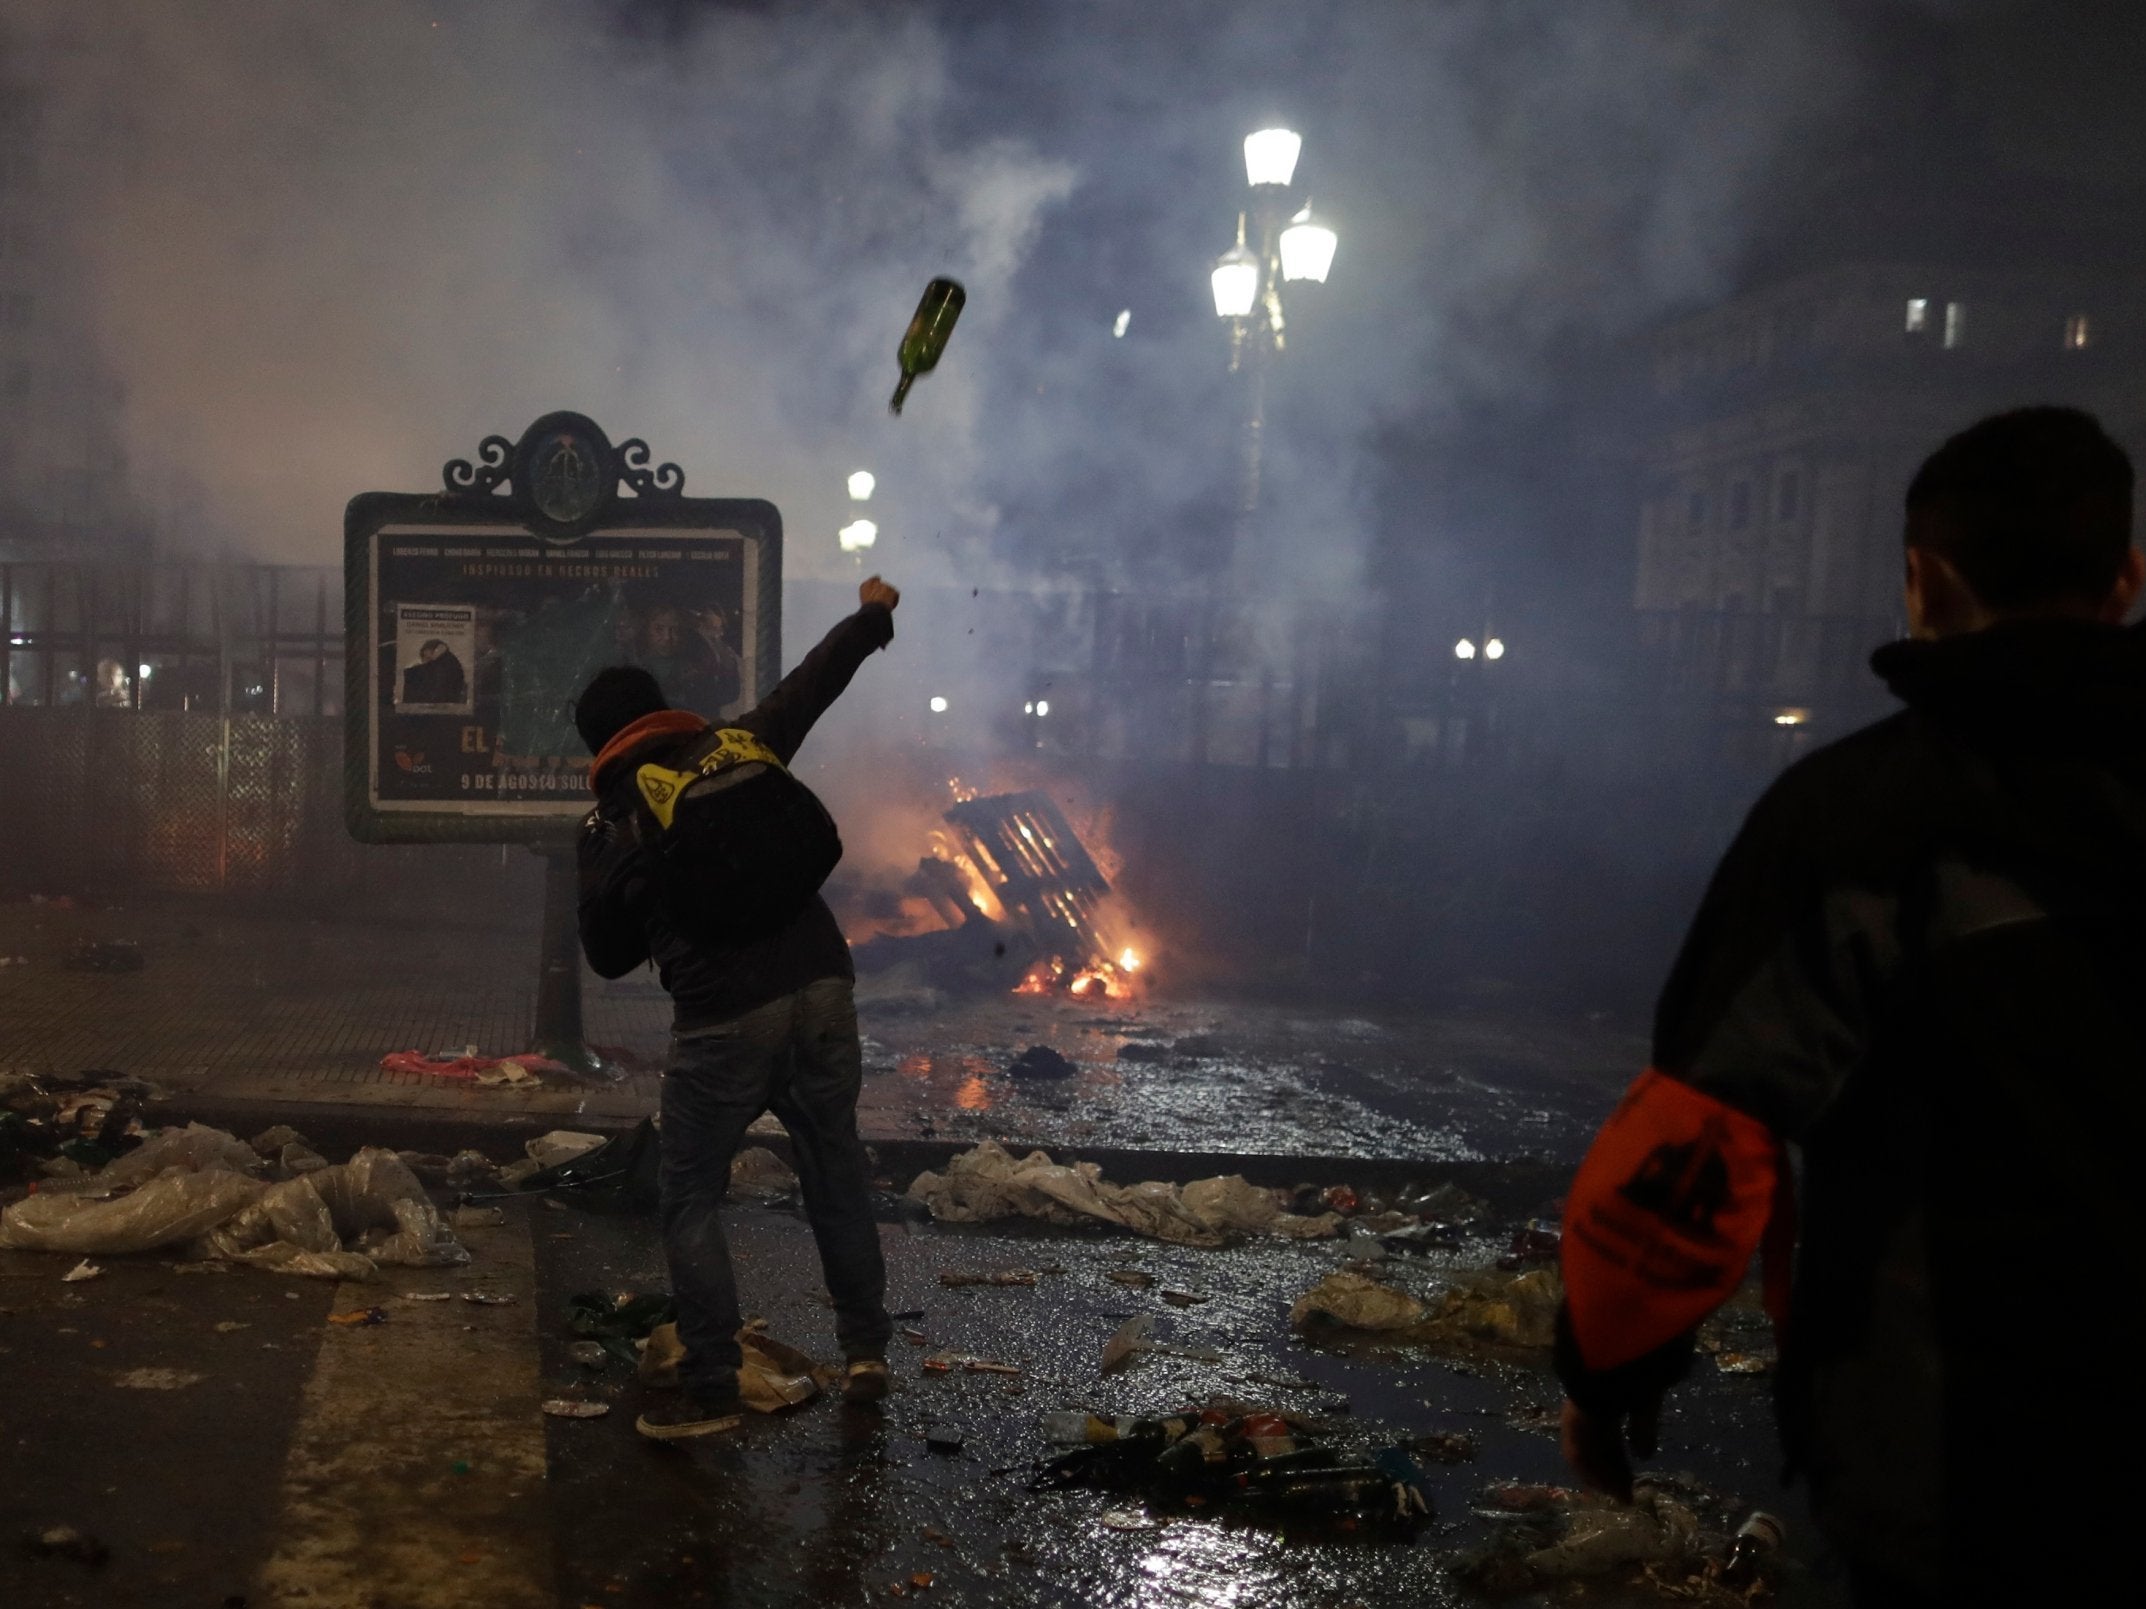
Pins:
<point x="335" y="1128"/>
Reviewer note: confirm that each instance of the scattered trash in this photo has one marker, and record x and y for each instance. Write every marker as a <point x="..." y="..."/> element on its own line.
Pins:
<point x="944" y="1438"/>
<point x="231" y="1326"/>
<point x="358" y="1317"/>
<point x="104" y="955"/>
<point x="615" y="1322"/>
<point x="987" y="1184"/>
<point x="948" y="1362"/>
<point x="1533" y="1244"/>
<point x="1755" y="1543"/>
<point x="1186" y="1298"/>
<point x="955" y="1279"/>
<point x="85" y="1269"/>
<point x="1138" y="1279"/>
<point x="1666" y="1537"/>
<point x="1040" y="1061"/>
<point x="624" y="1167"/>
<point x="1235" y="1453"/>
<point x="1136" y="1336"/>
<point x="1130" y="1519"/>
<point x="428" y="1296"/>
<point x="1729" y="1362"/>
<point x="1356" y="1302"/>
<point x="479" y="1217"/>
<point x="487" y="1299"/>
<point x="589" y="1354"/>
<point x="157" y="1379"/>
<point x="1420" y="1239"/>
<point x="661" y="1354"/>
<point x="1514" y="1310"/>
<point x="575" y="1408"/>
<point x="471" y="1067"/>
<point x="65" y="1542"/>
<point x="183" y="1184"/>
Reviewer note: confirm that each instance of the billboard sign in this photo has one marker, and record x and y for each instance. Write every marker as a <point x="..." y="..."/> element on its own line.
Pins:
<point x="477" y="614"/>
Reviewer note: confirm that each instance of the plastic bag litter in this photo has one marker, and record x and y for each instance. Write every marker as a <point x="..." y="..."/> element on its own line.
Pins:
<point x="561" y="1145"/>
<point x="988" y="1183"/>
<point x="332" y="1222"/>
<point x="195" y="1147"/>
<point x="167" y="1211"/>
<point x="1356" y="1302"/>
<point x="1501" y="1309"/>
<point x="376" y="1200"/>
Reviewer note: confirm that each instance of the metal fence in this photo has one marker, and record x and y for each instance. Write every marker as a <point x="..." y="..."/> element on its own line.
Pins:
<point x="172" y="726"/>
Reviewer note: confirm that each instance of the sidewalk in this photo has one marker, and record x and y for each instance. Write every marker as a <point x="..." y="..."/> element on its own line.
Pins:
<point x="247" y="1015"/>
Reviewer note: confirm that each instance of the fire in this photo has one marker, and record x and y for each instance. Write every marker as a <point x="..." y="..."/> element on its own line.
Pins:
<point x="1098" y="980"/>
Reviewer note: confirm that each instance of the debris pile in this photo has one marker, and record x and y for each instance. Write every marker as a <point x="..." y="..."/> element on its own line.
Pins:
<point x="1490" y="1307"/>
<point x="469" y="1067"/>
<point x="1672" y="1538"/>
<point x="988" y="1183"/>
<point x="61" y="1125"/>
<point x="275" y="1204"/>
<point x="1228" y="1454"/>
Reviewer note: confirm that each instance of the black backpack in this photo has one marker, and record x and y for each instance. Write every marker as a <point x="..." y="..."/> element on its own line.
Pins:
<point x="745" y="843"/>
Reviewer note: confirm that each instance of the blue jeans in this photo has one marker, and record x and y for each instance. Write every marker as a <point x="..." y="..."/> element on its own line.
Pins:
<point x="799" y="1058"/>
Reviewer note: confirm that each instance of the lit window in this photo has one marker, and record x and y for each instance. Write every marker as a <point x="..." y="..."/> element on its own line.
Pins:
<point x="1955" y="324"/>
<point x="1918" y="314"/>
<point x="2076" y="333"/>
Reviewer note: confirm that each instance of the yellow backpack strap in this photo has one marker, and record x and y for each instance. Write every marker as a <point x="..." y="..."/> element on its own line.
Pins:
<point x="660" y="789"/>
<point x="736" y="746"/>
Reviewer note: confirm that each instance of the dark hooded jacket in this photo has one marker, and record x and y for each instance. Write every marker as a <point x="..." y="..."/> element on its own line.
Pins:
<point x="1921" y="965"/>
<point x="624" y="920"/>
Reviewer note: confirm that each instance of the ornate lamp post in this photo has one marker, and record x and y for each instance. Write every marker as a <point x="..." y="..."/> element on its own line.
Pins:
<point x="1274" y="248"/>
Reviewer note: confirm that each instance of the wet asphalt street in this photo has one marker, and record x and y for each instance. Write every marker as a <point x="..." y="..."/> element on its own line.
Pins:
<point x="270" y="1456"/>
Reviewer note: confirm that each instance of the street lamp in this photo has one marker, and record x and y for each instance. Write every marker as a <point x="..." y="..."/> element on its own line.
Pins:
<point x="1270" y="157"/>
<point x="1235" y="280"/>
<point x="858" y="535"/>
<point x="861" y="483"/>
<point x="1307" y="249"/>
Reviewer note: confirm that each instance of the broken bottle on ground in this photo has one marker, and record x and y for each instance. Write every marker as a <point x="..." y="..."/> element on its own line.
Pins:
<point x="1248" y="1458"/>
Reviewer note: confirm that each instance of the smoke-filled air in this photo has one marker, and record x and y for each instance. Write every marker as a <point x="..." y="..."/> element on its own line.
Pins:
<point x="1216" y="803"/>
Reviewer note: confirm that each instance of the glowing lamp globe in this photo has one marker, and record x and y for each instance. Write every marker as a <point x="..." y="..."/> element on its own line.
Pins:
<point x="1270" y="156"/>
<point x="1307" y="249"/>
<point x="1236" y="283"/>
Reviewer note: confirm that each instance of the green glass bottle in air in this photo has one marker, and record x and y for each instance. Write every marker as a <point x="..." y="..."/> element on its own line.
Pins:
<point x="926" y="336"/>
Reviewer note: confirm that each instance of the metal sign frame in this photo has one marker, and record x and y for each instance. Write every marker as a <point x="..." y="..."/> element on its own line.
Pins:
<point x="560" y="494"/>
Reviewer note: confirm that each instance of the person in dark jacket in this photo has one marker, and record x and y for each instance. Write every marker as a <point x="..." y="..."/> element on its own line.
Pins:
<point x="765" y="1023"/>
<point x="1919" y="966"/>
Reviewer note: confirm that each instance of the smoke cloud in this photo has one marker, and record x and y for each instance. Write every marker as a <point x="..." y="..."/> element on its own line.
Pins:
<point x="322" y="248"/>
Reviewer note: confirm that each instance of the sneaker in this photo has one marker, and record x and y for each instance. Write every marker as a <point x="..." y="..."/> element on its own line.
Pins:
<point x="685" y="1417"/>
<point x="866" y="1381"/>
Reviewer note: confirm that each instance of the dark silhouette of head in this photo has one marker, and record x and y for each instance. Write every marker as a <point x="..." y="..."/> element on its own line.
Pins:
<point x="616" y="697"/>
<point x="2029" y="511"/>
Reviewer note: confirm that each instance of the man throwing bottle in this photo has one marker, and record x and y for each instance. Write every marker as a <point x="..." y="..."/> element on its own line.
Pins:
<point x="760" y="978"/>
